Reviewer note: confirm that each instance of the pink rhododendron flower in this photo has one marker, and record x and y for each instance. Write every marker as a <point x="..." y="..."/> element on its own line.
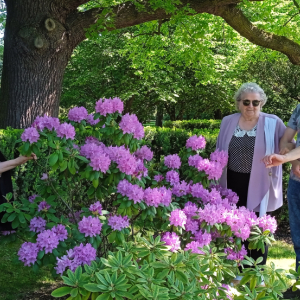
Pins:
<point x="130" y="124"/>
<point x="28" y="253"/>
<point x="90" y="119"/>
<point x="133" y="192"/>
<point x="118" y="222"/>
<point x="171" y="239"/>
<point x="195" y="142"/>
<point x="141" y="170"/>
<point x="61" y="232"/>
<point x="77" y="114"/>
<point x="80" y="255"/>
<point x="31" y="135"/>
<point x="267" y="222"/>
<point x="166" y="196"/>
<point x="100" y="162"/>
<point x="31" y="198"/>
<point x="173" y="161"/>
<point x="159" y="178"/>
<point x="194" y="246"/>
<point x="90" y="226"/>
<point x="45" y="122"/>
<point x="37" y="224"/>
<point x="178" y="218"/>
<point x="47" y="240"/>
<point x="43" y="206"/>
<point x="152" y="197"/>
<point x="144" y="153"/>
<point x="232" y="255"/>
<point x="66" y="130"/>
<point x="172" y="177"/>
<point x="44" y="176"/>
<point x="180" y="189"/>
<point x="96" y="208"/>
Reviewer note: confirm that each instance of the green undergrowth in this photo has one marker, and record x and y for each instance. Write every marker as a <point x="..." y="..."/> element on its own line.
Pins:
<point x="281" y="249"/>
<point x="16" y="281"/>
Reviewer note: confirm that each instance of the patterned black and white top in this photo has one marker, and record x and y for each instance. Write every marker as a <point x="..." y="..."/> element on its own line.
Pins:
<point x="241" y="149"/>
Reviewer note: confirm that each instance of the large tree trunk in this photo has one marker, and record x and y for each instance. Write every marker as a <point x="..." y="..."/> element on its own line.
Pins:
<point x="36" y="52"/>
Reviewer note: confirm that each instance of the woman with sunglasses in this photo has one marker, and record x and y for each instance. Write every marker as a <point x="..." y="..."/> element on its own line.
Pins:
<point x="248" y="136"/>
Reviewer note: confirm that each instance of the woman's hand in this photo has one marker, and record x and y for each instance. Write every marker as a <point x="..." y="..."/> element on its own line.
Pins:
<point x="23" y="159"/>
<point x="274" y="160"/>
<point x="287" y="148"/>
<point x="296" y="167"/>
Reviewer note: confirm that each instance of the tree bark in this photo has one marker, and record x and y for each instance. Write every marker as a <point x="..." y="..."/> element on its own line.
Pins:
<point x="37" y="48"/>
<point x="40" y="36"/>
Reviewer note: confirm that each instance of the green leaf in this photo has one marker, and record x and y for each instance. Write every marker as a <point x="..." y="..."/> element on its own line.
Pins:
<point x="53" y="159"/>
<point x="60" y="292"/>
<point x="181" y="276"/>
<point x="92" y="287"/>
<point x="105" y="296"/>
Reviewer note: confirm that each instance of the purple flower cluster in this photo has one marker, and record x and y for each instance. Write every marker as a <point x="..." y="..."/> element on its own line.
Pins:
<point x="96" y="152"/>
<point x="126" y="162"/>
<point x="66" y="130"/>
<point x="80" y="255"/>
<point x="90" y="226"/>
<point x="181" y="189"/>
<point x="195" y="142"/>
<point x="44" y="176"/>
<point x="90" y="119"/>
<point x="118" y="222"/>
<point x="31" y="135"/>
<point x="77" y="114"/>
<point x="220" y="156"/>
<point x="194" y="246"/>
<point x="96" y="208"/>
<point x="43" y="206"/>
<point x="267" y="222"/>
<point x="157" y="196"/>
<point x="40" y="123"/>
<point x="76" y="215"/>
<point x="109" y="106"/>
<point x="172" y="161"/>
<point x="144" y="153"/>
<point x="47" y="240"/>
<point x="232" y="255"/>
<point x="141" y="170"/>
<point x="178" y="218"/>
<point x="132" y="191"/>
<point x="130" y="124"/>
<point x="28" y="253"/>
<point x="159" y="178"/>
<point x="37" y="224"/>
<point x="32" y="198"/>
<point x="172" y="240"/>
<point x="172" y="177"/>
<point x="61" y="232"/>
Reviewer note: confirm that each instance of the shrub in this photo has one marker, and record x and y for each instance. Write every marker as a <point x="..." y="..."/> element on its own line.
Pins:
<point x="99" y="186"/>
<point x="193" y="124"/>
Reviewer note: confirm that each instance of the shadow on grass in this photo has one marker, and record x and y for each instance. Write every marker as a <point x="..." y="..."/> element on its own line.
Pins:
<point x="19" y="282"/>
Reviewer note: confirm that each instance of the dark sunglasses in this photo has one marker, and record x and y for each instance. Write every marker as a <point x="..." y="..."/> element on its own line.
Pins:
<point x="255" y="103"/>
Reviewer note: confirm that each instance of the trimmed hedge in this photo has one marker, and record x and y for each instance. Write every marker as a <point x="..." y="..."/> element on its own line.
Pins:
<point x="164" y="141"/>
<point x="193" y="124"/>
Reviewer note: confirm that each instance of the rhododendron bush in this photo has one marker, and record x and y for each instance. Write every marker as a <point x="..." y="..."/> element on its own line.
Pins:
<point x="100" y="156"/>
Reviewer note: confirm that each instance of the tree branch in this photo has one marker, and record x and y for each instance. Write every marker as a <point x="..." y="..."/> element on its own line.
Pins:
<point x="237" y="20"/>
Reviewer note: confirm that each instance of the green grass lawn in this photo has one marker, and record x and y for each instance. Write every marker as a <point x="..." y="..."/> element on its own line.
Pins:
<point x="17" y="281"/>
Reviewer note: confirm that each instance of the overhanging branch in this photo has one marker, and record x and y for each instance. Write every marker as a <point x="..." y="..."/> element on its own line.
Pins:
<point x="238" y="21"/>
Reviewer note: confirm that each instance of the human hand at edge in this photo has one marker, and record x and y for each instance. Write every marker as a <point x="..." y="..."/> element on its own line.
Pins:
<point x="273" y="160"/>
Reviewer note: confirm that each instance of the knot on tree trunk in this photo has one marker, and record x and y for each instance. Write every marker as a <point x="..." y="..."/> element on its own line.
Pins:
<point x="50" y="24"/>
<point x="39" y="42"/>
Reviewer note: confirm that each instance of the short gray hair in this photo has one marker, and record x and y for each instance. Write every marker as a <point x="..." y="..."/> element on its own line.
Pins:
<point x="250" y="87"/>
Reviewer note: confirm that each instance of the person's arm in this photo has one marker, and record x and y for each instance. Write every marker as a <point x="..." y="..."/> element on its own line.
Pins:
<point x="287" y="141"/>
<point x="274" y="160"/>
<point x="10" y="164"/>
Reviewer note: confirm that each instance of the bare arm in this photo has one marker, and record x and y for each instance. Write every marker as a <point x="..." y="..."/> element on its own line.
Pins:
<point x="10" y="164"/>
<point x="287" y="141"/>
